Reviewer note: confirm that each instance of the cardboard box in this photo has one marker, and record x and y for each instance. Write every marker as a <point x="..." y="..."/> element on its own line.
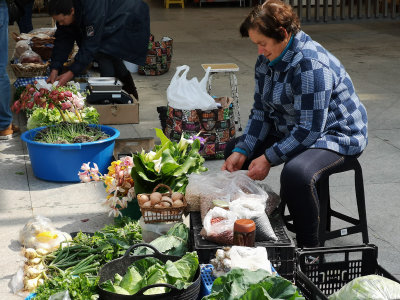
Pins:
<point x="128" y="146"/>
<point x="118" y="113"/>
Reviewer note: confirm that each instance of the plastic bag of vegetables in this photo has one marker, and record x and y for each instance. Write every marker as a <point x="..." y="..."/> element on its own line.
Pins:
<point x="368" y="287"/>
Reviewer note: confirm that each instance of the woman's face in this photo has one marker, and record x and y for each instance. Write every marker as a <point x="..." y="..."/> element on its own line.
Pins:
<point x="65" y="20"/>
<point x="267" y="46"/>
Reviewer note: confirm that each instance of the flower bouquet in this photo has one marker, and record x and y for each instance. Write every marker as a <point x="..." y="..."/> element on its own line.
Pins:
<point x="118" y="183"/>
<point x="47" y="104"/>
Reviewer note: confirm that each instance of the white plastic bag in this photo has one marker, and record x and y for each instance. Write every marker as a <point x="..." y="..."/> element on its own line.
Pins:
<point x="189" y="94"/>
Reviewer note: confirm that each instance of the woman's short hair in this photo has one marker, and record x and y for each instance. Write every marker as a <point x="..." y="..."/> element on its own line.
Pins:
<point x="269" y="18"/>
<point x="56" y="7"/>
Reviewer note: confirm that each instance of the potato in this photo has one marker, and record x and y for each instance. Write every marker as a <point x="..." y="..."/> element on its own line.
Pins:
<point x="165" y="203"/>
<point x="155" y="198"/>
<point x="176" y="196"/>
<point x="158" y="206"/>
<point x="147" y="204"/>
<point x="177" y="203"/>
<point x="142" y="198"/>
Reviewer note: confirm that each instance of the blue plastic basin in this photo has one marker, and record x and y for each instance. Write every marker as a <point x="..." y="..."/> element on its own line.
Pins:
<point x="62" y="162"/>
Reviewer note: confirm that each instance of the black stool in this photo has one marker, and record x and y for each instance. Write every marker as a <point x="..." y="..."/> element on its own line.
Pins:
<point x="326" y="212"/>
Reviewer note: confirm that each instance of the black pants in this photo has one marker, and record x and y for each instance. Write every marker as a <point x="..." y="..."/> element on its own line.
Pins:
<point x="111" y="66"/>
<point x="298" y="185"/>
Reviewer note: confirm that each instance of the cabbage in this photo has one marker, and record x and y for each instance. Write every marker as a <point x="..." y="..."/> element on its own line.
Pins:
<point x="368" y="287"/>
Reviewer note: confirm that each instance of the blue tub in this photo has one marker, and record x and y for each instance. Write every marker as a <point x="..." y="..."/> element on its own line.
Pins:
<point x="62" y="162"/>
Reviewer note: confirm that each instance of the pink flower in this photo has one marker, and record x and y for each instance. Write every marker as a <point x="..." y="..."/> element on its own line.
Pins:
<point x="85" y="167"/>
<point x="68" y="94"/>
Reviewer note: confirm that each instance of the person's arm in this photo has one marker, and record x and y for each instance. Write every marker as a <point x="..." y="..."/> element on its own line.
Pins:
<point x="94" y="15"/>
<point x="63" y="44"/>
<point x="312" y="89"/>
<point x="258" y="126"/>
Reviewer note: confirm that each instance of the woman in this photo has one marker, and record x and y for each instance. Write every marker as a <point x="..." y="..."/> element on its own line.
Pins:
<point x="306" y="114"/>
<point x="105" y="30"/>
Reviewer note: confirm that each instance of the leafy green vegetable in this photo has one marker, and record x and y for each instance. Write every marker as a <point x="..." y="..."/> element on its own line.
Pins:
<point x="150" y="270"/>
<point x="82" y="287"/>
<point x="168" y="163"/>
<point x="368" y="287"/>
<point x="249" y="285"/>
<point x="44" y="117"/>
<point x="174" y="242"/>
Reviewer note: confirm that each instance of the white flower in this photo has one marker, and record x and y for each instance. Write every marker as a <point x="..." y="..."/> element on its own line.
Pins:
<point x="157" y="165"/>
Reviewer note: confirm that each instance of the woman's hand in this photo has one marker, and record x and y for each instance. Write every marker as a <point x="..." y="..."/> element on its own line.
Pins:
<point x="234" y="162"/>
<point x="64" y="78"/>
<point x="259" y="168"/>
<point x="52" y="77"/>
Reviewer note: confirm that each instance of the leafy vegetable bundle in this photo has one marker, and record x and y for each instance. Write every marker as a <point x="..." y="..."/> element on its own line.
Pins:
<point x="75" y="267"/>
<point x="150" y="270"/>
<point x="247" y="285"/>
<point x="169" y="163"/>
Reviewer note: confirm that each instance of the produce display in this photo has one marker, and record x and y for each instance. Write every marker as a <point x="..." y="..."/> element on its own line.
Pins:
<point x="368" y="287"/>
<point x="150" y="270"/>
<point x="246" y="284"/>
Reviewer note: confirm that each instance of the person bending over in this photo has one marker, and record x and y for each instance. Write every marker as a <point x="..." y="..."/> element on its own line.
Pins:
<point x="108" y="31"/>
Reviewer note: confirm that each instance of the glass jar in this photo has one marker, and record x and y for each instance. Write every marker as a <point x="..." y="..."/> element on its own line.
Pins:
<point x="244" y="233"/>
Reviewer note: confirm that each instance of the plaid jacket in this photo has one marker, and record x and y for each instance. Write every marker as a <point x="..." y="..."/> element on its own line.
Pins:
<point x="308" y="100"/>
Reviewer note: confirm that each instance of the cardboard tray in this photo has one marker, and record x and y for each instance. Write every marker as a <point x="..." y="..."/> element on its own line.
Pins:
<point x="118" y="113"/>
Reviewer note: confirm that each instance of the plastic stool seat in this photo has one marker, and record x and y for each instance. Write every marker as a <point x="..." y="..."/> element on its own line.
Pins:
<point x="227" y="69"/>
<point x="326" y="212"/>
<point x="168" y="2"/>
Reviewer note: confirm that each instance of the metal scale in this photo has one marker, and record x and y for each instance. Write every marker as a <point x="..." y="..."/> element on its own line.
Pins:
<point x="107" y="90"/>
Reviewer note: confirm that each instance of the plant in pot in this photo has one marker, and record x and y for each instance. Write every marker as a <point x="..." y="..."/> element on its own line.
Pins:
<point x="57" y="149"/>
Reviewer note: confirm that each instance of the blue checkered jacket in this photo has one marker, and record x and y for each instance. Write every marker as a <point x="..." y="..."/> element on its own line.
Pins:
<point x="308" y="100"/>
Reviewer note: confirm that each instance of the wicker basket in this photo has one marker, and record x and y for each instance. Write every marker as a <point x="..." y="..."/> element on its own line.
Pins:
<point x="44" y="51"/>
<point x="29" y="69"/>
<point x="167" y="214"/>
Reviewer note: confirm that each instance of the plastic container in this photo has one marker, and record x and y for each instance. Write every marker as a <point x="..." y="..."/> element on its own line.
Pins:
<point x="207" y="279"/>
<point x="62" y="162"/>
<point x="281" y="253"/>
<point x="336" y="267"/>
<point x="121" y="265"/>
<point x="244" y="233"/>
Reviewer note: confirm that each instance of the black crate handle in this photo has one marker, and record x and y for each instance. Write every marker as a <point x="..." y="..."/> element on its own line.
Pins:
<point x="156" y="252"/>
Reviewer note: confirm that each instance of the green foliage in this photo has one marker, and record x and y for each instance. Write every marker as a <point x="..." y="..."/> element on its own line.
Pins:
<point x="44" y="117"/>
<point x="80" y="287"/>
<point x="175" y="242"/>
<point x="150" y="270"/>
<point x="252" y="285"/>
<point x="168" y="163"/>
<point x="69" y="133"/>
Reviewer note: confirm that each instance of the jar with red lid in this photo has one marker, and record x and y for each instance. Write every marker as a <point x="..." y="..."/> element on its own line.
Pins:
<point x="244" y="233"/>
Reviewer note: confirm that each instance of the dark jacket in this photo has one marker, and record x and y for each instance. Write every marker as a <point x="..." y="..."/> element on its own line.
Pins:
<point x="120" y="28"/>
<point x="15" y="10"/>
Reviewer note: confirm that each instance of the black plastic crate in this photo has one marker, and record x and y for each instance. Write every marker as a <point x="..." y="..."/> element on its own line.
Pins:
<point x="281" y="253"/>
<point x="336" y="266"/>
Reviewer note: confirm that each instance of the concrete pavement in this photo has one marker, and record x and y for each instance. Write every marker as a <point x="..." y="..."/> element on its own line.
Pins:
<point x="370" y="53"/>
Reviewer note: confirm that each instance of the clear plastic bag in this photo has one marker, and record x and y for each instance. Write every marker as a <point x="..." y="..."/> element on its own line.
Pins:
<point x="40" y="233"/>
<point x="21" y="47"/>
<point x="30" y="56"/>
<point x="60" y="296"/>
<point x="218" y="226"/>
<point x="189" y="94"/>
<point x="223" y="186"/>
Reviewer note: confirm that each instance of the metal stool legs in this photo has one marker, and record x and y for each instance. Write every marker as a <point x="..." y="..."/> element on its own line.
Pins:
<point x="326" y="212"/>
